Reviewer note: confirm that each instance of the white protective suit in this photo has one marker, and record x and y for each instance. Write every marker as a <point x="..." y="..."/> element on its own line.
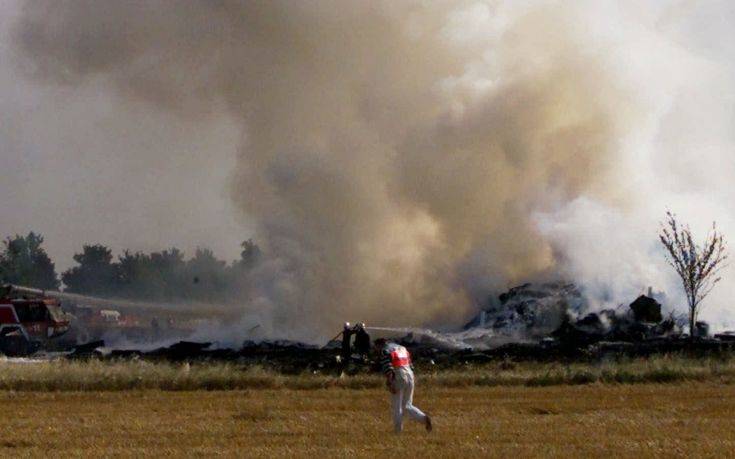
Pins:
<point x="396" y="360"/>
<point x="402" y="400"/>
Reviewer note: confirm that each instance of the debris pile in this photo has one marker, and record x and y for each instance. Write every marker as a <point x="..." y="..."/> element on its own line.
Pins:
<point x="282" y="355"/>
<point x="530" y="309"/>
<point x="646" y="309"/>
<point x="547" y="321"/>
<point x="643" y="320"/>
<point x="556" y="313"/>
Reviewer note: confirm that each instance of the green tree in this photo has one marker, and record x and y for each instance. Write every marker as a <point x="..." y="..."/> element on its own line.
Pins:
<point x="207" y="276"/>
<point x="249" y="256"/>
<point x="134" y="271"/>
<point x="23" y="261"/>
<point x="156" y="276"/>
<point x="164" y="275"/>
<point x="169" y="269"/>
<point x="96" y="274"/>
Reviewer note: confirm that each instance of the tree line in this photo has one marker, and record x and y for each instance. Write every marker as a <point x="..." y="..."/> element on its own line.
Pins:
<point x="166" y="275"/>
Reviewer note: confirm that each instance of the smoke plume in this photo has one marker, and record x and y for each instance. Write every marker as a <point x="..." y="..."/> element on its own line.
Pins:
<point x="400" y="160"/>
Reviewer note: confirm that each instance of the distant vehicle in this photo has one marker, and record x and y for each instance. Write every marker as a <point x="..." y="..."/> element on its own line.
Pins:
<point x="32" y="319"/>
<point x="110" y="315"/>
<point x="28" y="320"/>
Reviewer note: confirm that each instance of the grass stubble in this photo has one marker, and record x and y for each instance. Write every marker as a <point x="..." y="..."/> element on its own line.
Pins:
<point x="667" y="406"/>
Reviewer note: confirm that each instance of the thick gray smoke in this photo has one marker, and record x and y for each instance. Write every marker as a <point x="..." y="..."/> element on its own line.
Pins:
<point x="399" y="160"/>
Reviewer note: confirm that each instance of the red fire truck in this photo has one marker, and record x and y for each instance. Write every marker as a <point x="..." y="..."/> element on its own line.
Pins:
<point x="28" y="320"/>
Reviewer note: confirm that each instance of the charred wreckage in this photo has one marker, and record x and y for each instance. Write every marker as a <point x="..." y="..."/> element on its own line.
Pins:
<point x="529" y="322"/>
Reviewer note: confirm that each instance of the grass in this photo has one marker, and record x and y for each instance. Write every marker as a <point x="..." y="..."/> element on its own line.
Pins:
<point x="664" y="406"/>
<point x="63" y="375"/>
<point x="592" y="420"/>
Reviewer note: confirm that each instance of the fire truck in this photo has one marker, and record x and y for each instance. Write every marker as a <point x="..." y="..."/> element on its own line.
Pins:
<point x="29" y="319"/>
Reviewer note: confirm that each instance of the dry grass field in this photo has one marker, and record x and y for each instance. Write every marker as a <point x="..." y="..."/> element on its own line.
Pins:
<point x="594" y="420"/>
<point x="116" y="375"/>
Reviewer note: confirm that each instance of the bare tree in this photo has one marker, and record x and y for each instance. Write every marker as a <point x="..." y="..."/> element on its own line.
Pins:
<point x="698" y="266"/>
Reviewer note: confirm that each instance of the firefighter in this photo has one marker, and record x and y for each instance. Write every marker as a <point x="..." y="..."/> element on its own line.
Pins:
<point x="362" y="341"/>
<point x="156" y="328"/>
<point x="347" y="332"/>
<point x="396" y="365"/>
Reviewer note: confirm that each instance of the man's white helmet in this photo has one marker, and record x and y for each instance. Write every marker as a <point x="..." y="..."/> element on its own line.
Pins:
<point x="347" y="325"/>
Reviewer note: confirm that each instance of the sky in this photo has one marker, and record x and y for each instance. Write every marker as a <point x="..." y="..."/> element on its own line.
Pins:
<point x="397" y="161"/>
<point x="81" y="165"/>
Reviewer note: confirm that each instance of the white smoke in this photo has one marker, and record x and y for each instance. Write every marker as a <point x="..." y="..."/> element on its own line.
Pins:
<point x="399" y="160"/>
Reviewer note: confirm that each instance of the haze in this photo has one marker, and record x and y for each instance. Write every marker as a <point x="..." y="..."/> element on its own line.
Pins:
<point x="398" y="161"/>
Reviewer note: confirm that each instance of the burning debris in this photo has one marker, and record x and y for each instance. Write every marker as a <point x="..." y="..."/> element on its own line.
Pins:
<point x="553" y="320"/>
<point x="532" y="321"/>
<point x="646" y="309"/>
<point x="530" y="309"/>
<point x="557" y="313"/>
<point x="529" y="322"/>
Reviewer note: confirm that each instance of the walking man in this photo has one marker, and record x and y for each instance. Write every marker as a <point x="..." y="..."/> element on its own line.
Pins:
<point x="396" y="366"/>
